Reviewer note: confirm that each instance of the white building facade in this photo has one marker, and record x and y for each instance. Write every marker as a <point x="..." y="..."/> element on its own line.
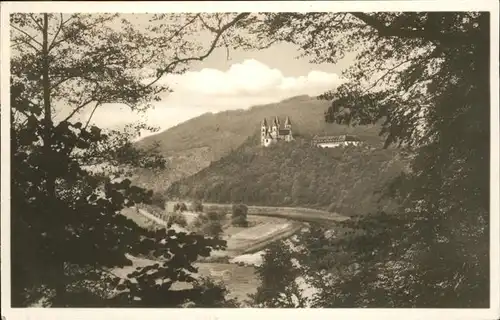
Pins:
<point x="335" y="141"/>
<point x="274" y="133"/>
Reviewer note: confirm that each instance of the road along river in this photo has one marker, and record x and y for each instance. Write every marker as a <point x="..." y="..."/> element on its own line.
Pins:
<point x="244" y="245"/>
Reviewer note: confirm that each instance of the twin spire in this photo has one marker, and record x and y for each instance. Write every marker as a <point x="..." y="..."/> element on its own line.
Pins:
<point x="275" y="133"/>
<point x="287" y="122"/>
<point x="276" y="122"/>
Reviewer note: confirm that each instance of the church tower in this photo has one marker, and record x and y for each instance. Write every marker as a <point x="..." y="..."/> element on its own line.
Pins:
<point x="275" y="128"/>
<point x="288" y="124"/>
<point x="288" y="127"/>
<point x="263" y="132"/>
<point x="272" y="134"/>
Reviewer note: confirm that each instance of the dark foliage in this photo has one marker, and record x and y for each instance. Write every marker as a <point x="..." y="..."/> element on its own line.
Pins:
<point x="209" y="224"/>
<point x="197" y="206"/>
<point x="429" y="75"/>
<point x="180" y="207"/>
<point x="68" y="177"/>
<point x="278" y="274"/>
<point x="239" y="215"/>
<point x="177" y="218"/>
<point x="158" y="200"/>
<point x="344" y="180"/>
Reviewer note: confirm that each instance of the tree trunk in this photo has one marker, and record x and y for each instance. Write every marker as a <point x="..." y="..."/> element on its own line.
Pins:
<point x="50" y="186"/>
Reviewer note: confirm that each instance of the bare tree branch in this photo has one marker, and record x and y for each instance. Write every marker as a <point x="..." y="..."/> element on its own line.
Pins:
<point x="18" y="42"/>
<point x="61" y="24"/>
<point x="388" y="71"/>
<point x="62" y="80"/>
<point x="227" y="48"/>
<point x="92" y="114"/>
<point x="434" y="54"/>
<point x="212" y="29"/>
<point x="80" y="107"/>
<point x="87" y="27"/>
<point x="40" y="27"/>
<point x="180" y="30"/>
<point x="218" y="35"/>
<point x="29" y="36"/>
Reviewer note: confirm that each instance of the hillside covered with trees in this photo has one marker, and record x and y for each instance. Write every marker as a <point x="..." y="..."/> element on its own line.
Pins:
<point x="429" y="77"/>
<point x="194" y="144"/>
<point x="345" y="180"/>
<point x="421" y="79"/>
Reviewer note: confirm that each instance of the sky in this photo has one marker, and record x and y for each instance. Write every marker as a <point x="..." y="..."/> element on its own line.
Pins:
<point x="238" y="81"/>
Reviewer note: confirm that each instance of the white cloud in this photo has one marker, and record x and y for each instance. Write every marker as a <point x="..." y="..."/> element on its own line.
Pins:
<point x="209" y="90"/>
<point x="250" y="78"/>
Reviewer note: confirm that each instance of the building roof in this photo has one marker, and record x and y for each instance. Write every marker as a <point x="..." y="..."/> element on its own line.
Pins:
<point x="329" y="139"/>
<point x="276" y="120"/>
<point x="287" y="122"/>
<point x="284" y="132"/>
<point x="264" y="122"/>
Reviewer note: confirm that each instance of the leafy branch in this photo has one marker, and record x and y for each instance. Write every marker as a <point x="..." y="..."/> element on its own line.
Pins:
<point x="218" y="34"/>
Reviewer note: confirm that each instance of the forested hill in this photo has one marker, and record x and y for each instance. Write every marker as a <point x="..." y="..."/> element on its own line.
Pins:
<point x="345" y="180"/>
<point x="229" y="129"/>
<point x="192" y="145"/>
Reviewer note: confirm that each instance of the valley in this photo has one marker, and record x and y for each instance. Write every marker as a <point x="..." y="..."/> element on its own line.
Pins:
<point x="311" y="158"/>
<point x="218" y="159"/>
<point x="193" y="145"/>
<point x="235" y="266"/>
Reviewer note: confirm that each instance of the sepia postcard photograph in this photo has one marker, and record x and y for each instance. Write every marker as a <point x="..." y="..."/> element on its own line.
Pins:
<point x="219" y="159"/>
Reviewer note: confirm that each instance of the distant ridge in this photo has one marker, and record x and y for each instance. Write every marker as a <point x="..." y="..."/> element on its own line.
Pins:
<point x="195" y="143"/>
<point x="298" y="98"/>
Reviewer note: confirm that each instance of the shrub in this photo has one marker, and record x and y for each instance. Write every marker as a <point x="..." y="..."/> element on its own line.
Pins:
<point x="197" y="206"/>
<point x="158" y="200"/>
<point x="209" y="224"/>
<point x="239" y="215"/>
<point x="180" y="207"/>
<point x="277" y="260"/>
<point x="213" y="229"/>
<point x="214" y="215"/>
<point x="178" y="218"/>
<point x="239" y="222"/>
